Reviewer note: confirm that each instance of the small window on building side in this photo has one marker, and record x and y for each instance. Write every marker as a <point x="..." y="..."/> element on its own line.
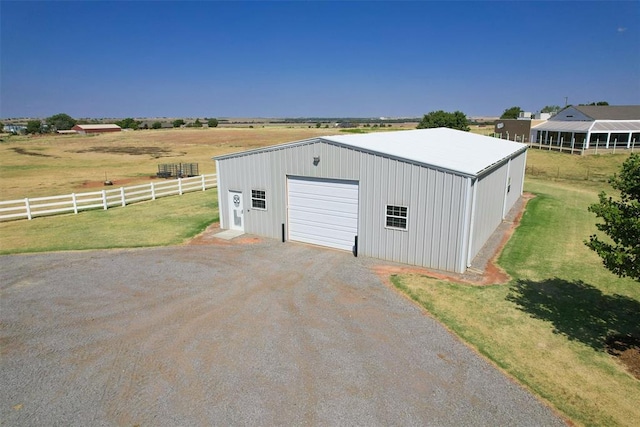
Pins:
<point x="258" y="199"/>
<point x="396" y="217"/>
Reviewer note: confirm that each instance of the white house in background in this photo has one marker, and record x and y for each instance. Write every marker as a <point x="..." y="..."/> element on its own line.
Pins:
<point x="591" y="126"/>
<point x="427" y="197"/>
<point x="19" y="129"/>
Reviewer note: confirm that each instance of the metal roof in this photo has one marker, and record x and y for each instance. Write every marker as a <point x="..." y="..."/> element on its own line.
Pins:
<point x="610" y="112"/>
<point x="624" y="126"/>
<point x="595" y="126"/>
<point x="564" y="126"/>
<point x="92" y="127"/>
<point x="453" y="150"/>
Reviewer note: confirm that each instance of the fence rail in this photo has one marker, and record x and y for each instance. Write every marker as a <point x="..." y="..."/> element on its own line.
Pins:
<point x="578" y="148"/>
<point x="30" y="208"/>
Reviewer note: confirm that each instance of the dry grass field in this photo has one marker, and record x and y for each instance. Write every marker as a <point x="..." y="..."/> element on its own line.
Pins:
<point x="48" y="165"/>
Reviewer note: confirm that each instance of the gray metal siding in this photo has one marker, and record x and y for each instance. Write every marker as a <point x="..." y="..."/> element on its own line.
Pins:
<point x="268" y="170"/>
<point x="516" y="173"/>
<point x="489" y="206"/>
<point x="435" y="213"/>
<point x="439" y="203"/>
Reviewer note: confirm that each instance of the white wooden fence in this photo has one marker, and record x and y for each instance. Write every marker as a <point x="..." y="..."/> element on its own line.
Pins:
<point x="104" y="199"/>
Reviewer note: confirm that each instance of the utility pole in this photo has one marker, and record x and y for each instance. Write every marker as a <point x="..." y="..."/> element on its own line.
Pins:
<point x="565" y="100"/>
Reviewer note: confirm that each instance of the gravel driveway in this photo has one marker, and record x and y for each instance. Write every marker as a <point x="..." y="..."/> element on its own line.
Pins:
<point x="248" y="332"/>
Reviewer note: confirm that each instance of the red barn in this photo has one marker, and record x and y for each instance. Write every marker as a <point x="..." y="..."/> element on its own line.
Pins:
<point x="84" y="129"/>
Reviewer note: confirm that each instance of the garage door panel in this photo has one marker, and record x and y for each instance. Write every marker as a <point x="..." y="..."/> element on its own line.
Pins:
<point x="346" y="226"/>
<point x="323" y="212"/>
<point x="325" y="216"/>
<point x="333" y="207"/>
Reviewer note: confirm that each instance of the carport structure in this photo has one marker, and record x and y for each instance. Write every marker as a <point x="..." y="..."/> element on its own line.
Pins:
<point x="429" y="197"/>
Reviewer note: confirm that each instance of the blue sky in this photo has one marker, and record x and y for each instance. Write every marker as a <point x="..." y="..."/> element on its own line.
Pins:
<point x="320" y="59"/>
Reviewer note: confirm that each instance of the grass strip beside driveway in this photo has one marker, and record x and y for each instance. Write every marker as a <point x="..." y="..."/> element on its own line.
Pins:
<point x="165" y="221"/>
<point x="548" y="326"/>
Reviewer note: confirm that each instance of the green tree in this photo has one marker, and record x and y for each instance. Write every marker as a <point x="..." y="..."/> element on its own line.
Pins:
<point x="177" y="123"/>
<point x="156" y="125"/>
<point x="34" y="126"/>
<point x="197" y="124"/>
<point x="128" y="123"/>
<point x="61" y="121"/>
<point x="213" y="123"/>
<point x="620" y="222"/>
<point x="437" y="119"/>
<point x="511" y="113"/>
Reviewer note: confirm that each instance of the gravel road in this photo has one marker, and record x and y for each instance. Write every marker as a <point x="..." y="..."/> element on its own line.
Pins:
<point x="248" y="332"/>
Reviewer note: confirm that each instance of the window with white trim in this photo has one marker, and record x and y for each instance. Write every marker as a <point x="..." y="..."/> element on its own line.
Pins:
<point x="259" y="199"/>
<point x="396" y="217"/>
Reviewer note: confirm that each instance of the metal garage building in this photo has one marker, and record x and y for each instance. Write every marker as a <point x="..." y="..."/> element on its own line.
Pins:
<point x="427" y="197"/>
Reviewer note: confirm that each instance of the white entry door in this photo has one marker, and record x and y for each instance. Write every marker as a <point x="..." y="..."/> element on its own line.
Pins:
<point x="236" y="211"/>
<point x="323" y="212"/>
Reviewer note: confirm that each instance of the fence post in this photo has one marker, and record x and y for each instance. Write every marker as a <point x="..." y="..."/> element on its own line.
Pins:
<point x="180" y="186"/>
<point x="122" y="199"/>
<point x="204" y="187"/>
<point x="104" y="199"/>
<point x="28" y="207"/>
<point x="75" y="203"/>
<point x="153" y="191"/>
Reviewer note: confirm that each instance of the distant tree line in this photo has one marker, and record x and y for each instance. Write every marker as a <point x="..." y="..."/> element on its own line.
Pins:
<point x="64" y="121"/>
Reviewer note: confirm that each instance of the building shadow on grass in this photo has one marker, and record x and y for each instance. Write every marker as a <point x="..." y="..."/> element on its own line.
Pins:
<point x="578" y="310"/>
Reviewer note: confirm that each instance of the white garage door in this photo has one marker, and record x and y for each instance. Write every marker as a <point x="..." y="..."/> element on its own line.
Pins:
<point x="323" y="212"/>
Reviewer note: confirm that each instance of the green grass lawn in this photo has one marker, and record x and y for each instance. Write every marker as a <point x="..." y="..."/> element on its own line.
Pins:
<point x="165" y="221"/>
<point x="547" y="327"/>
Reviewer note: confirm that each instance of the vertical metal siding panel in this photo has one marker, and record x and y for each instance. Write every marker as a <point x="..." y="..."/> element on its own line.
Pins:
<point x="516" y="173"/>
<point x="427" y="191"/>
<point x="281" y="180"/>
<point x="465" y="224"/>
<point x="445" y="212"/>
<point x="396" y="179"/>
<point x="367" y="233"/>
<point x="423" y="236"/>
<point x="417" y="225"/>
<point x="277" y="200"/>
<point x="221" y="167"/>
<point x="376" y="220"/>
<point x="456" y="222"/>
<point x="400" y="238"/>
<point x="387" y="239"/>
<point x="409" y="237"/>
<point x="382" y="250"/>
<point x="448" y="224"/>
<point x="438" y="236"/>
<point x="489" y="206"/>
<point x="398" y="187"/>
<point x="437" y="218"/>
